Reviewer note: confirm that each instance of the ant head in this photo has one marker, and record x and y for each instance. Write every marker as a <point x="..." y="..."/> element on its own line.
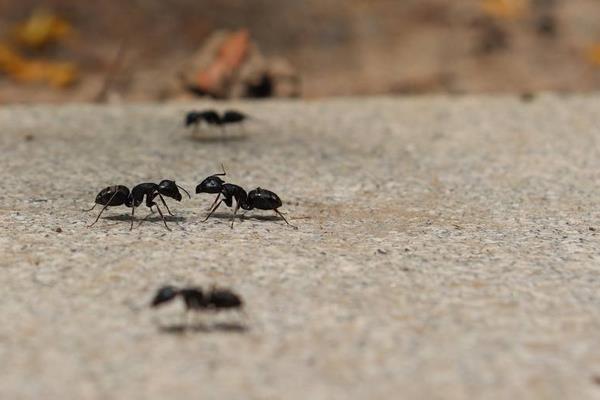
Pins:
<point x="212" y="184"/>
<point x="171" y="189"/>
<point x="191" y="118"/>
<point x="164" y="294"/>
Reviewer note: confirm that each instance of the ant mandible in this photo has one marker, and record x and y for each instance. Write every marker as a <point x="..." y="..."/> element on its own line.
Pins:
<point x="120" y="195"/>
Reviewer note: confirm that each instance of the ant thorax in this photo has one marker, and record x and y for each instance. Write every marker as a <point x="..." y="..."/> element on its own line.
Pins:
<point x="231" y="191"/>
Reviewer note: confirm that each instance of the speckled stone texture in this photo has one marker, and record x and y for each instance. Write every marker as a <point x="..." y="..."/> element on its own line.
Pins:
<point x="447" y="248"/>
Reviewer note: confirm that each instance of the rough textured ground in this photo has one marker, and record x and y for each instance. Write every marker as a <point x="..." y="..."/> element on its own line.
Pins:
<point x="447" y="248"/>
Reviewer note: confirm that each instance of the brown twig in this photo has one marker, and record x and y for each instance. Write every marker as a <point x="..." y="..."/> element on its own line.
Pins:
<point x="110" y="74"/>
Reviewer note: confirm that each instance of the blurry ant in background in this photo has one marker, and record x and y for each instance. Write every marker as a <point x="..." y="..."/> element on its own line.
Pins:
<point x="211" y="117"/>
<point x="118" y="195"/>
<point x="233" y="117"/>
<point x="545" y="22"/>
<point x="194" y="118"/>
<point x="196" y="299"/>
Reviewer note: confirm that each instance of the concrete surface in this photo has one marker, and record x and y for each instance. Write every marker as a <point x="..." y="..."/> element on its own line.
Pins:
<point x="447" y="248"/>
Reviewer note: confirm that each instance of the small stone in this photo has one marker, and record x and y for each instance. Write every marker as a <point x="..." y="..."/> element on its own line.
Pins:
<point x="58" y="230"/>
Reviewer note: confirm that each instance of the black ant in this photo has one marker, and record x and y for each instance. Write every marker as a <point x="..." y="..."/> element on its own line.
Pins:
<point x="120" y="195"/>
<point x="196" y="299"/>
<point x="211" y="117"/>
<point x="195" y="117"/>
<point x="212" y="184"/>
<point x="233" y="117"/>
<point x="261" y="199"/>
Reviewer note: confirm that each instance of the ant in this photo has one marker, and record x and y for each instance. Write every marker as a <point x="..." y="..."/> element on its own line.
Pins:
<point x="196" y="299"/>
<point x="211" y="117"/>
<point x="195" y="117"/>
<point x="233" y="117"/>
<point x="120" y="195"/>
<point x="258" y="198"/>
<point x="263" y="199"/>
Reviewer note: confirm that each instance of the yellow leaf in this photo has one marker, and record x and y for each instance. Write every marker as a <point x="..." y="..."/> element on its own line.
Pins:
<point x="10" y="61"/>
<point x="42" y="28"/>
<point x="58" y="74"/>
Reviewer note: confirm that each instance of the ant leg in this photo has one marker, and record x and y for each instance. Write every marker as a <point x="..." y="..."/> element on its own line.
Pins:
<point x="103" y="208"/>
<point x="163" y="217"/>
<point x="286" y="221"/>
<point x="98" y="217"/>
<point x="132" y="214"/>
<point x="237" y="207"/>
<point x="146" y="217"/>
<point x="212" y="211"/>
<point x="165" y="204"/>
<point x="214" y="202"/>
<point x="90" y="209"/>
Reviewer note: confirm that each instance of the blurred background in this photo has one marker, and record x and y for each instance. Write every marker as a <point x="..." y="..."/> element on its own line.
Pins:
<point x="159" y="50"/>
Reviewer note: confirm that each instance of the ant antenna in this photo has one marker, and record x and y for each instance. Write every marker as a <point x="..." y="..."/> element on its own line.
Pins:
<point x="224" y="173"/>
<point x="90" y="209"/>
<point x="186" y="192"/>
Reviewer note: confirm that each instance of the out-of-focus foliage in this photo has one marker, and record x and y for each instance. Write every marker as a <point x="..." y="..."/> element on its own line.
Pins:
<point x="228" y="59"/>
<point x="42" y="28"/>
<point x="18" y="68"/>
<point x="507" y="9"/>
<point x="593" y="54"/>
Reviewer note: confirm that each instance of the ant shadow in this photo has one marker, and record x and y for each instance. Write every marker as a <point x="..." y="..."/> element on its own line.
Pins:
<point x="152" y="218"/>
<point x="226" y="327"/>
<point x="242" y="217"/>
<point x="224" y="138"/>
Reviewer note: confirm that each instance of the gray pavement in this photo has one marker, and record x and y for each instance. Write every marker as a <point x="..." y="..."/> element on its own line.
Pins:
<point x="448" y="248"/>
